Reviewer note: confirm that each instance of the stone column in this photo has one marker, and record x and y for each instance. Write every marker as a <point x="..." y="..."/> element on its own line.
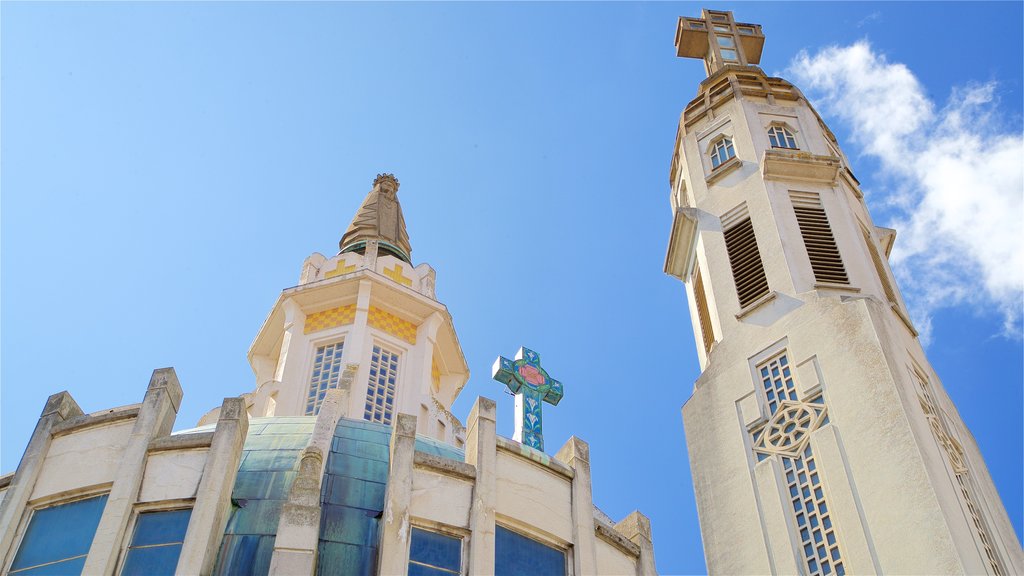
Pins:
<point x="358" y="345"/>
<point x="59" y="407"/>
<point x="394" y="540"/>
<point x="576" y="455"/>
<point x="481" y="451"/>
<point x="213" y="498"/>
<point x="637" y="528"/>
<point x="298" y="530"/>
<point x="155" y="419"/>
<point x="291" y="399"/>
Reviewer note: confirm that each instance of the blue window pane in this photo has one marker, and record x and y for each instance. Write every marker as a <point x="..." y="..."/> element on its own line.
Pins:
<point x="64" y="568"/>
<point x="421" y="570"/>
<point x="59" y="533"/>
<point x="156" y="543"/>
<point x="435" y="550"/>
<point x="161" y="527"/>
<point x="152" y="561"/>
<point x="516" y="555"/>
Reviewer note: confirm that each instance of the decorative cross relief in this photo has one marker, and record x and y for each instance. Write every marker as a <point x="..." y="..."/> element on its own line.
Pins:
<point x="787" y="435"/>
<point x="532" y="386"/>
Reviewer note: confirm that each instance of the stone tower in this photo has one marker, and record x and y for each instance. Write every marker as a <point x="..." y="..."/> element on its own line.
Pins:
<point x="366" y="321"/>
<point x="820" y="438"/>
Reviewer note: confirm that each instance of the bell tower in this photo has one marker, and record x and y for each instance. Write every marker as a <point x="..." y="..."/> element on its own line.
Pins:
<point x="820" y="438"/>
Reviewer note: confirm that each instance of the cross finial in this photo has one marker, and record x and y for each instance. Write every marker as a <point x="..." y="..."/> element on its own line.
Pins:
<point x="532" y="386"/>
<point x="719" y="40"/>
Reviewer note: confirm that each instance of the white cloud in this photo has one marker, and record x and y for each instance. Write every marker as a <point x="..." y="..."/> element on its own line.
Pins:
<point x="956" y="177"/>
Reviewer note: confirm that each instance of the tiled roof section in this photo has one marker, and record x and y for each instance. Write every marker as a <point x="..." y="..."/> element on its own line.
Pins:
<point x="352" y="495"/>
<point x="265" y="476"/>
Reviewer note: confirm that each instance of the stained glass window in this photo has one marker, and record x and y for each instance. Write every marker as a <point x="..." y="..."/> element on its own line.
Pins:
<point x="58" y="538"/>
<point x="326" y="373"/>
<point x="380" y="391"/>
<point x="433" y="554"/>
<point x="156" y="543"/>
<point x="722" y="151"/>
<point x="517" y="555"/>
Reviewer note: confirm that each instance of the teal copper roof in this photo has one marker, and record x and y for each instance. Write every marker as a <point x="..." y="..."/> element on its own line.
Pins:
<point x="352" y="494"/>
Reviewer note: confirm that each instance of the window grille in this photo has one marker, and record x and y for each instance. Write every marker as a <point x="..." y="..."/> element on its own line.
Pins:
<point x="780" y="137"/>
<point x="326" y="373"/>
<point x="958" y="462"/>
<point x="816" y="533"/>
<point x="745" y="260"/>
<point x="433" y="554"/>
<point x="826" y="262"/>
<point x="703" y="315"/>
<point x="57" y="539"/>
<point x="786" y="435"/>
<point x="380" y="391"/>
<point x="722" y="151"/>
<point x="156" y="543"/>
<point x="890" y="293"/>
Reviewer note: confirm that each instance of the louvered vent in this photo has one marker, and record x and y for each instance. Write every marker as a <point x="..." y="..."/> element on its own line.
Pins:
<point x="702" y="311"/>
<point x="879" y="267"/>
<point x="822" y="251"/>
<point x="747" y="269"/>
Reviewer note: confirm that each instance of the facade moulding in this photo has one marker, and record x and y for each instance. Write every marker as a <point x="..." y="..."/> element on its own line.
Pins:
<point x="444" y="466"/>
<point x="84" y="421"/>
<point x="609" y="534"/>
<point x="534" y="456"/>
<point x="682" y="243"/>
<point x="797" y="165"/>
<point x="181" y="442"/>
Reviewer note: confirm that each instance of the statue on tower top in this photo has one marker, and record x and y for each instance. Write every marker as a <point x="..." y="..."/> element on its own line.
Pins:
<point x="379" y="218"/>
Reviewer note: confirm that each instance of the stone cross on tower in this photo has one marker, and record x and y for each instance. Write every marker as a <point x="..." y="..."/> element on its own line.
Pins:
<point x="719" y="40"/>
<point x="532" y="386"/>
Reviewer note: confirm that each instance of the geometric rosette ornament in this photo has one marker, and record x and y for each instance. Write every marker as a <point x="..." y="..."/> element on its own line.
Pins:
<point x="529" y="382"/>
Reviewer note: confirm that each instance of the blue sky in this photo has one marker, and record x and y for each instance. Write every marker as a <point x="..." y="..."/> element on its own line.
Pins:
<point x="167" y="167"/>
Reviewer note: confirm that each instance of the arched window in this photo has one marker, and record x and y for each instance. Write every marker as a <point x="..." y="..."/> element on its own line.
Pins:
<point x="780" y="137"/>
<point x="721" y="152"/>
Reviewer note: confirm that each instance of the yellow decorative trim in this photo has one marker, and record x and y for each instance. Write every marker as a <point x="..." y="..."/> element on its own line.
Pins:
<point x="339" y="269"/>
<point x="435" y="374"/>
<point x="332" y="318"/>
<point x="395" y="273"/>
<point x="388" y="322"/>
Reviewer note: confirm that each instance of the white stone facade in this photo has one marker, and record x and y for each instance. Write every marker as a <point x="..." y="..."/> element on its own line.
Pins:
<point x="905" y="487"/>
<point x="478" y="484"/>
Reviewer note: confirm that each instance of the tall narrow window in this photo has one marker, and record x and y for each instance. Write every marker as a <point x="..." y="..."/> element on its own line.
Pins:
<point x="703" y="315"/>
<point x="890" y="293"/>
<point x="943" y="433"/>
<point x="791" y="420"/>
<point x="780" y="137"/>
<point x="156" y="543"/>
<point x="380" y="391"/>
<point x="745" y="260"/>
<point x="722" y="151"/>
<point x="826" y="262"/>
<point x="326" y="373"/>
<point x="433" y="554"/>
<point x="57" y="539"/>
<point x="515" y="555"/>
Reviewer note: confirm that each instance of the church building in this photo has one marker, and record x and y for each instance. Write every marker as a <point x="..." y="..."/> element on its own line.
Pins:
<point x="345" y="459"/>
<point x="820" y="438"/>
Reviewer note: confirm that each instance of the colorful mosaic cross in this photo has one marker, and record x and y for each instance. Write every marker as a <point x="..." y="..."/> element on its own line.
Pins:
<point x="532" y="386"/>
